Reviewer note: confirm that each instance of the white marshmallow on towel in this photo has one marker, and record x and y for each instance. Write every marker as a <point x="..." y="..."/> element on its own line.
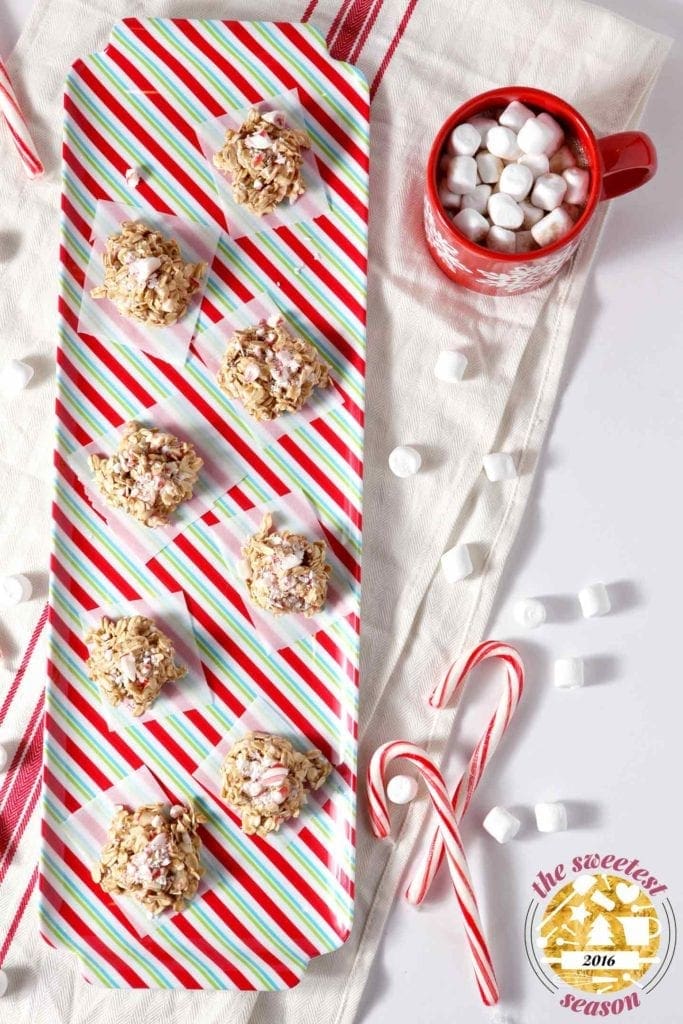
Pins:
<point x="448" y="199"/>
<point x="489" y="167"/>
<point x="462" y="174"/>
<point x="14" y="590"/>
<point x="532" y="214"/>
<point x="561" y="160"/>
<point x="483" y="126"/>
<point x="464" y="140"/>
<point x="548" y="191"/>
<point x="404" y="461"/>
<point x="578" y="181"/>
<point x="502" y="825"/>
<point x="450" y="366"/>
<point x="537" y="163"/>
<point x="530" y="612"/>
<point x="540" y="134"/>
<point x="501" y="239"/>
<point x="504" y="211"/>
<point x="502" y="142"/>
<point x="553" y="227"/>
<point x="499" y="466"/>
<point x="472" y="224"/>
<point x="516" y="181"/>
<point x="594" y="600"/>
<point x="515" y="115"/>
<point x="478" y="199"/>
<point x="551" y="817"/>
<point x="401" y="789"/>
<point x="15" y="376"/>
<point x="456" y="563"/>
<point x="524" y="242"/>
<point x="568" y="673"/>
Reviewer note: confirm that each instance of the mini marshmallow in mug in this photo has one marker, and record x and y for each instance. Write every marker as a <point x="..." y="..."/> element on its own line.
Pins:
<point x="449" y="200"/>
<point x="504" y="211"/>
<point x="462" y="174"/>
<point x="578" y="182"/>
<point x="404" y="461"/>
<point x="472" y="224"/>
<point x="515" y="115"/>
<point x="483" y="126"/>
<point x="532" y="214"/>
<point x="464" y="140"/>
<point x="537" y="163"/>
<point x="450" y="366"/>
<point x="548" y="191"/>
<point x="502" y="142"/>
<point x="477" y="200"/>
<point x="554" y="226"/>
<point x="501" y="239"/>
<point x="561" y="160"/>
<point x="516" y="181"/>
<point x="489" y="167"/>
<point x="541" y="134"/>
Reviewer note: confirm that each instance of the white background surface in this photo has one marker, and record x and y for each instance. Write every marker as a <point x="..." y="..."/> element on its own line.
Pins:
<point x="608" y="505"/>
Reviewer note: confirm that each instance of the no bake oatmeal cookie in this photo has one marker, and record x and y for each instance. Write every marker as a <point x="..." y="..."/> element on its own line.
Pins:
<point x="146" y="277"/>
<point x="152" y="856"/>
<point x="266" y="780"/>
<point x="264" y="158"/>
<point x="270" y="370"/>
<point x="149" y="476"/>
<point x="284" y="571"/>
<point x="131" y="660"/>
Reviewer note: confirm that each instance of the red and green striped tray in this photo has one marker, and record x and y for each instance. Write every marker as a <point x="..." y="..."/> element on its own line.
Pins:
<point x="270" y="907"/>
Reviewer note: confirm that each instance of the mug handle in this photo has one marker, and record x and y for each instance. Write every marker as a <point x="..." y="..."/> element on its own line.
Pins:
<point x="629" y="159"/>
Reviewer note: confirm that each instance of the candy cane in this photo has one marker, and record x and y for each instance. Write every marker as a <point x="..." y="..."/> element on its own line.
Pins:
<point x="455" y="679"/>
<point x="455" y="854"/>
<point x="11" y="111"/>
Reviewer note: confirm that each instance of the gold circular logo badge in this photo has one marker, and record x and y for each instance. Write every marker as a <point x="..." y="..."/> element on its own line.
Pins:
<point x="599" y="933"/>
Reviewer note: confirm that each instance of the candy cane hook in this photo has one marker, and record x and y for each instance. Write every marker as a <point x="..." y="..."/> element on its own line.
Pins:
<point x="453" y="685"/>
<point x="452" y="845"/>
<point x="16" y="123"/>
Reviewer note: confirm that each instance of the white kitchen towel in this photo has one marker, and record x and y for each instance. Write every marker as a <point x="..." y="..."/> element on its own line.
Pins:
<point x="422" y="57"/>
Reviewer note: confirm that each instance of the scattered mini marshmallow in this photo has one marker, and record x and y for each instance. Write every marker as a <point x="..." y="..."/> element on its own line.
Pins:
<point x="548" y="191"/>
<point x="561" y="160"/>
<point x="504" y="211"/>
<point x="401" y="789"/>
<point x="464" y="140"/>
<point x="3" y="983"/>
<point x="14" y="590"/>
<point x="553" y="227"/>
<point x="502" y="142"/>
<point x="456" y="563"/>
<point x="551" y="817"/>
<point x="449" y="199"/>
<point x="516" y="181"/>
<point x="472" y="225"/>
<point x="578" y="182"/>
<point x="483" y="126"/>
<point x="489" y="167"/>
<point x="404" y="461"/>
<point x="594" y="600"/>
<point x="15" y="376"/>
<point x="133" y="177"/>
<point x="501" y="239"/>
<point x="3" y="758"/>
<point x="478" y="199"/>
<point x="532" y="214"/>
<point x="568" y="673"/>
<point x="541" y="134"/>
<point x="524" y="241"/>
<point x="537" y="163"/>
<point x="530" y="612"/>
<point x="502" y="825"/>
<point x="450" y="365"/>
<point x="462" y="174"/>
<point x="499" y="466"/>
<point x="515" y="115"/>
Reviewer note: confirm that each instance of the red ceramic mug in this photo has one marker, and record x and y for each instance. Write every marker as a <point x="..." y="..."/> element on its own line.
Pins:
<point x="618" y="164"/>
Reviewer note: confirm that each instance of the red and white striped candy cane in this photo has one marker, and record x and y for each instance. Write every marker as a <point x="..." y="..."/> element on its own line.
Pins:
<point x="11" y="111"/>
<point x="453" y="684"/>
<point x="452" y="844"/>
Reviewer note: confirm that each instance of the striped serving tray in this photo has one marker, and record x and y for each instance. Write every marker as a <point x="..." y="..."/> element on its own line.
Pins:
<point x="268" y="906"/>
